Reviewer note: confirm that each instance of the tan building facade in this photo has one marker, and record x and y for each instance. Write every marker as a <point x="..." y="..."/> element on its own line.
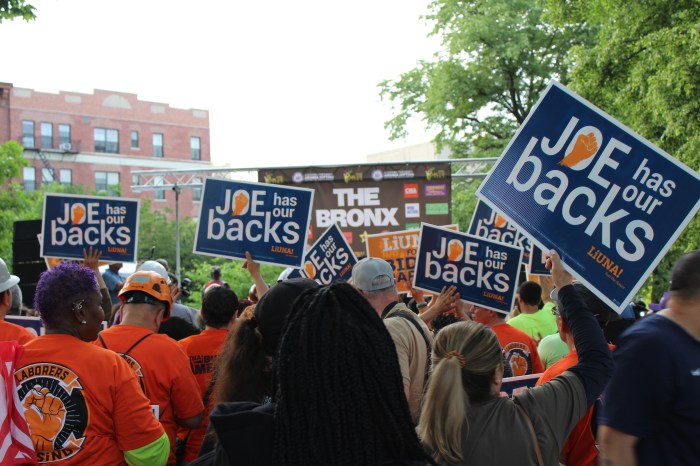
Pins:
<point x="97" y="140"/>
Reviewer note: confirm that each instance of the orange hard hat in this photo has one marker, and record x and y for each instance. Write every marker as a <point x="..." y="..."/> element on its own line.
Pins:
<point x="149" y="284"/>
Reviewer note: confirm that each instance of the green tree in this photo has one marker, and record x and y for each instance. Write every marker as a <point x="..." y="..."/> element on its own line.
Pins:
<point x="10" y="9"/>
<point x="496" y="58"/>
<point x="644" y="69"/>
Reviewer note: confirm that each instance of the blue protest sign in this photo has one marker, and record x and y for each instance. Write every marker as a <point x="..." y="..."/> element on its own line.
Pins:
<point x="72" y="223"/>
<point x="608" y="201"/>
<point x="485" y="272"/>
<point x="511" y="386"/>
<point x="487" y="223"/>
<point x="537" y="262"/>
<point x="270" y="221"/>
<point x="34" y="325"/>
<point x="330" y="258"/>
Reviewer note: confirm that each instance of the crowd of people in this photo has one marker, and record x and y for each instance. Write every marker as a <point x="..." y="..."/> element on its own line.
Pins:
<point x="351" y="373"/>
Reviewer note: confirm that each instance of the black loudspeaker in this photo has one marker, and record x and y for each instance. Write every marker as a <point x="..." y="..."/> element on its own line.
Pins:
<point x="27" y="264"/>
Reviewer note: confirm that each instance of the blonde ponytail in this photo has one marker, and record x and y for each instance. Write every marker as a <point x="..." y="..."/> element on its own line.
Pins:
<point x="465" y="356"/>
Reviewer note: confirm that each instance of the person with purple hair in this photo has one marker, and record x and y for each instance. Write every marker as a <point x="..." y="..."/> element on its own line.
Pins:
<point x="83" y="403"/>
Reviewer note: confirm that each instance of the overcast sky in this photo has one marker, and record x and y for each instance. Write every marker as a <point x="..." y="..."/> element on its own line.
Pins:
<point x="286" y="82"/>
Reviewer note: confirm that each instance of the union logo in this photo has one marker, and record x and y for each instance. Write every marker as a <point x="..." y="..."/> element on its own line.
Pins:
<point x="55" y="409"/>
<point x="518" y="358"/>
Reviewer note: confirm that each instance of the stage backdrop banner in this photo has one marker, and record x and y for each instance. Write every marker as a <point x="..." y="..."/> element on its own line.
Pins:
<point x="269" y="221"/>
<point x="485" y="272"/>
<point x="72" y="223"/>
<point x="330" y="258"/>
<point x="576" y="180"/>
<point x="369" y="199"/>
<point x="489" y="224"/>
<point x="398" y="248"/>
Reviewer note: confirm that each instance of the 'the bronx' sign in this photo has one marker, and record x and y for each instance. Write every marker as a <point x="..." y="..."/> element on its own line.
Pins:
<point x="576" y="180"/>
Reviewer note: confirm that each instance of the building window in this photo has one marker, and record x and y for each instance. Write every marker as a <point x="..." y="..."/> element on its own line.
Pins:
<point x="157" y="144"/>
<point x="159" y="194"/>
<point x="28" y="133"/>
<point x="107" y="140"/>
<point x="134" y="139"/>
<point x="66" y="176"/>
<point x="135" y="180"/>
<point x="197" y="191"/>
<point x="29" y="176"/>
<point x="64" y="137"/>
<point x="105" y="182"/>
<point x="47" y="175"/>
<point x="195" y="148"/>
<point x="46" y="135"/>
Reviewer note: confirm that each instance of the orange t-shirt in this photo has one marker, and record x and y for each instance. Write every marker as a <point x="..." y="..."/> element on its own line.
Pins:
<point x="202" y="349"/>
<point x="520" y="350"/>
<point x="164" y="373"/>
<point x="82" y="403"/>
<point x="579" y="449"/>
<point x="10" y="332"/>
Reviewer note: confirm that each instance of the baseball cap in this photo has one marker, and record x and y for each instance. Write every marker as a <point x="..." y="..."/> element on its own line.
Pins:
<point x="372" y="274"/>
<point x="7" y="281"/>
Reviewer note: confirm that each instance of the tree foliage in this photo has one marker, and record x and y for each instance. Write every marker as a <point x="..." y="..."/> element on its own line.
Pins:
<point x="10" y="9"/>
<point x="497" y="57"/>
<point x="644" y="69"/>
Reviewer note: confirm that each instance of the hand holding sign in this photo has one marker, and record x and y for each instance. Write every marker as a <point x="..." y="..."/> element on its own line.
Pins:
<point x="560" y="276"/>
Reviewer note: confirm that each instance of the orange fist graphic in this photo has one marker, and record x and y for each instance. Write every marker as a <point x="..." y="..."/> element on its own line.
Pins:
<point x="309" y="269"/>
<point x="518" y="365"/>
<point x="45" y="415"/>
<point x="454" y="250"/>
<point x="500" y="222"/>
<point x="242" y="201"/>
<point x="586" y="146"/>
<point x="77" y="212"/>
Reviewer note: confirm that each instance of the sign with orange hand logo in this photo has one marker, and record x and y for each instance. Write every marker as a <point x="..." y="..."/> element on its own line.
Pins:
<point x="485" y="272"/>
<point x="72" y="223"/>
<point x="330" y="258"/>
<point x="268" y="220"/>
<point x="576" y="180"/>
<point x="399" y="249"/>
<point x="488" y="223"/>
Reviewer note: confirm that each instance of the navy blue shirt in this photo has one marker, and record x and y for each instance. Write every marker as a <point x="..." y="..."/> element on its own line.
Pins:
<point x="654" y="393"/>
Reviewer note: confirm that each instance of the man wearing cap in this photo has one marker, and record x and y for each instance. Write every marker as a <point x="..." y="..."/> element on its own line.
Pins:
<point x="9" y="331"/>
<point x="519" y="349"/>
<point x="374" y="279"/>
<point x="579" y="448"/>
<point x="651" y="409"/>
<point x="161" y="364"/>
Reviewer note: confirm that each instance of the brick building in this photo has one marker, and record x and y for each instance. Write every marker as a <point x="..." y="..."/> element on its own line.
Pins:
<point x="97" y="140"/>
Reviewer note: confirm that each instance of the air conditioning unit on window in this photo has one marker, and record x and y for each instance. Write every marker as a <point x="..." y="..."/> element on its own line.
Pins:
<point x="65" y="146"/>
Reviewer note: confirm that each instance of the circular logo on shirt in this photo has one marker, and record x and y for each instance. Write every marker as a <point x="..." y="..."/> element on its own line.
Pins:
<point x="55" y="409"/>
<point x="518" y="358"/>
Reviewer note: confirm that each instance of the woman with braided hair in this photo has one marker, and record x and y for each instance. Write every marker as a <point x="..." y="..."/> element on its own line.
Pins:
<point x="465" y="421"/>
<point x="339" y="393"/>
